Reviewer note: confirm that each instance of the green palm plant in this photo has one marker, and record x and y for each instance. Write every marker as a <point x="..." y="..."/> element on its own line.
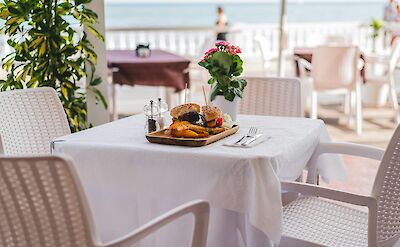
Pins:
<point x="51" y="49"/>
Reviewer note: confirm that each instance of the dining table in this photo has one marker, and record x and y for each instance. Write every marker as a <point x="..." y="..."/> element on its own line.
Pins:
<point x="160" y="69"/>
<point x="128" y="180"/>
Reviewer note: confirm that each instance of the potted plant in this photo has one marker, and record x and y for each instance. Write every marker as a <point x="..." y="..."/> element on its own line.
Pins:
<point x="376" y="26"/>
<point x="225" y="66"/>
<point x="51" y="49"/>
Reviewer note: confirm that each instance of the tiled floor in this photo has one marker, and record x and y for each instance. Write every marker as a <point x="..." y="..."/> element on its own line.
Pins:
<point x="378" y="128"/>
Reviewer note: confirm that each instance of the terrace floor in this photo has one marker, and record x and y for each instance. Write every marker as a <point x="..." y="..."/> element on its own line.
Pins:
<point x="378" y="129"/>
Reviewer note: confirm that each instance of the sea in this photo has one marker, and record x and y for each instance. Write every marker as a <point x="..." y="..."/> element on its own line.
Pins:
<point x="142" y="15"/>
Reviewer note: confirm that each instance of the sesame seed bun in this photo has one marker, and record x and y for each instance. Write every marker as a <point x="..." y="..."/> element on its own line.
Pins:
<point x="183" y="109"/>
<point x="211" y="113"/>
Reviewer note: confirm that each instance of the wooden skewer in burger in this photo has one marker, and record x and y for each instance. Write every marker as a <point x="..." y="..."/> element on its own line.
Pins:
<point x="189" y="123"/>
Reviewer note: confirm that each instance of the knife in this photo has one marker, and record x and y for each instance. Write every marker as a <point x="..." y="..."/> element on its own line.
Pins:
<point x="251" y="140"/>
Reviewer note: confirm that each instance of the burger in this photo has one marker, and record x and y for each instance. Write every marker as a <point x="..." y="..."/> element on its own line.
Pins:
<point x="212" y="116"/>
<point x="187" y="112"/>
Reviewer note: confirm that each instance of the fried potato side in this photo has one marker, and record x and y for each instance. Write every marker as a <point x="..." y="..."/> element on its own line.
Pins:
<point x="188" y="134"/>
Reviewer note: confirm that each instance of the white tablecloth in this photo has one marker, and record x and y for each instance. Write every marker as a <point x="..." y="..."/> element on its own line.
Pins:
<point x="128" y="181"/>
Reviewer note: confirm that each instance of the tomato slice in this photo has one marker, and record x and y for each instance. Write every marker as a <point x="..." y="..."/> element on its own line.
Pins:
<point x="219" y="121"/>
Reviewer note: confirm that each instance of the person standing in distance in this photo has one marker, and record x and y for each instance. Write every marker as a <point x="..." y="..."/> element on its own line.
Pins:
<point x="222" y="24"/>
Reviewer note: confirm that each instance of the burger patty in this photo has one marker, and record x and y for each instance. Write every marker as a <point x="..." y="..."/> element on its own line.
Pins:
<point x="191" y="117"/>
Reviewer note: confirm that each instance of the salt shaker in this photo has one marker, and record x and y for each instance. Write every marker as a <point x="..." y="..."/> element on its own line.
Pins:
<point x="162" y="109"/>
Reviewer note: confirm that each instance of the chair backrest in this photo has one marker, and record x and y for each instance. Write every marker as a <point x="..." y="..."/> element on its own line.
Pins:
<point x="30" y="119"/>
<point x="42" y="204"/>
<point x="335" y="67"/>
<point x="272" y="97"/>
<point x="387" y="191"/>
<point x="394" y="57"/>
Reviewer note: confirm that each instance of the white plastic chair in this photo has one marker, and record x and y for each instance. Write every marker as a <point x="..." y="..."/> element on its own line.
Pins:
<point x="336" y="70"/>
<point x="42" y="204"/>
<point x="30" y="119"/>
<point x="389" y="77"/>
<point x="312" y="219"/>
<point x="266" y="56"/>
<point x="271" y="97"/>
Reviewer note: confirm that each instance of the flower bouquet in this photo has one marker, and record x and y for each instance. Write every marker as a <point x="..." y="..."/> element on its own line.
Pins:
<point x="225" y="66"/>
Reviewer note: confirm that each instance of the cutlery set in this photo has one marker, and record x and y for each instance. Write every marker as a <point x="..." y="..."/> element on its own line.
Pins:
<point x="249" y="138"/>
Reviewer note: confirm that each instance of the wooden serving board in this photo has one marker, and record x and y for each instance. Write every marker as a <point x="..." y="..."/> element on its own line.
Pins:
<point x="161" y="138"/>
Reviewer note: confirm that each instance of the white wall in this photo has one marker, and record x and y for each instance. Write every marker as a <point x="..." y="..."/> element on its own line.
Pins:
<point x="97" y="114"/>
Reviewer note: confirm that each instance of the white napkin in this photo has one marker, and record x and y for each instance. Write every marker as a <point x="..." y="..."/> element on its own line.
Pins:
<point x="261" y="138"/>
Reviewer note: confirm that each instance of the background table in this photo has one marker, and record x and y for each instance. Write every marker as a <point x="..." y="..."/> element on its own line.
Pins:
<point x="128" y="180"/>
<point x="161" y="69"/>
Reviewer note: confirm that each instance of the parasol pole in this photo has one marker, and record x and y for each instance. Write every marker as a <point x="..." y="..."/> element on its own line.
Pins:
<point x="282" y="23"/>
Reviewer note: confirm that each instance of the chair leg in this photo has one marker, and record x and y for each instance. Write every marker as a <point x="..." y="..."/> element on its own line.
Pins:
<point x="393" y="100"/>
<point x="314" y="105"/>
<point x="352" y="106"/>
<point x="359" y="116"/>
<point x="347" y="106"/>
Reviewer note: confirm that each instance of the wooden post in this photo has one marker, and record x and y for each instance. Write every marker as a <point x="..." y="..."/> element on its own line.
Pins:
<point x="97" y="114"/>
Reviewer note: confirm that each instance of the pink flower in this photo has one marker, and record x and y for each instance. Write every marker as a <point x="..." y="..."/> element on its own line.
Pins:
<point x="222" y="43"/>
<point x="222" y="46"/>
<point x="211" y="51"/>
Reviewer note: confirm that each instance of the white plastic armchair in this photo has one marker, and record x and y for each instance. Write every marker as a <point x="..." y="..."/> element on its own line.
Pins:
<point x="266" y="56"/>
<point x="30" y="119"/>
<point x="389" y="77"/>
<point x="335" y="70"/>
<point x="42" y="204"/>
<point x="272" y="97"/>
<point x="311" y="219"/>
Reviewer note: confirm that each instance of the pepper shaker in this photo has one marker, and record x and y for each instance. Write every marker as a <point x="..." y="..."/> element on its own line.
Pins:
<point x="151" y="123"/>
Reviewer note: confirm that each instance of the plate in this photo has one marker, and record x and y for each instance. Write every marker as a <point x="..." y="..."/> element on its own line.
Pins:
<point x="161" y="137"/>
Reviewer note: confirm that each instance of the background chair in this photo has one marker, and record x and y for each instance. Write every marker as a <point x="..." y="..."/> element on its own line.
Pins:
<point x="30" y="119"/>
<point x="335" y="70"/>
<point x="390" y="62"/>
<point x="313" y="219"/>
<point x="42" y="204"/>
<point x="272" y="97"/>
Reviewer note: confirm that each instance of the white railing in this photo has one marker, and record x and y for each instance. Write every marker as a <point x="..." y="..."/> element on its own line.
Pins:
<point x="184" y="41"/>
<point x="192" y="41"/>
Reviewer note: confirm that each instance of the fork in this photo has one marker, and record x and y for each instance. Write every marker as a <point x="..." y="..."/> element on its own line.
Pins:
<point x="252" y="132"/>
<point x="252" y="136"/>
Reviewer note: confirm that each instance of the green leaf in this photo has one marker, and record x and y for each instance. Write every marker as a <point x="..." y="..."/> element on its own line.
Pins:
<point x="99" y="96"/>
<point x="96" y="33"/>
<point x="96" y="81"/>
<point x="214" y="92"/>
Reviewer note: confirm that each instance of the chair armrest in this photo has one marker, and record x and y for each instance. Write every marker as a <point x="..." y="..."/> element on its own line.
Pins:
<point x="200" y="210"/>
<point x="360" y="64"/>
<point x="350" y="149"/>
<point x="303" y="63"/>
<point x="337" y="195"/>
<point x="341" y="148"/>
<point x="372" y="59"/>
